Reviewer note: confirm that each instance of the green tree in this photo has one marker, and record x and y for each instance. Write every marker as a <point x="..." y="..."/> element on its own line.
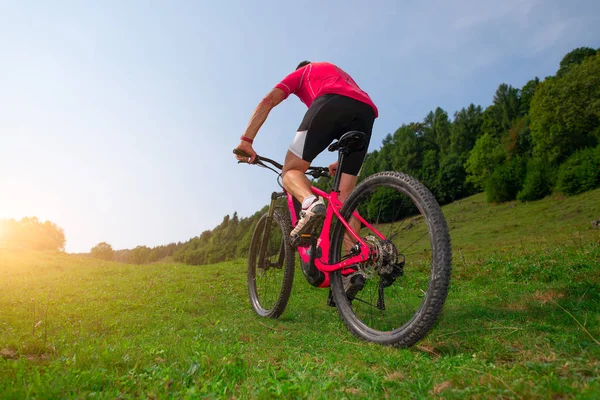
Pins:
<point x="505" y="181"/>
<point x="573" y="58"/>
<point x="498" y="118"/>
<point x="486" y="155"/>
<point x="140" y="255"/>
<point x="518" y="141"/>
<point x="451" y="180"/>
<point x="384" y="161"/>
<point x="429" y="171"/>
<point x="103" y="251"/>
<point x="565" y="112"/>
<point x="369" y="166"/>
<point x="232" y="227"/>
<point x="405" y="150"/>
<point x="527" y="93"/>
<point x="435" y="131"/>
<point x="466" y="129"/>
<point x="30" y="233"/>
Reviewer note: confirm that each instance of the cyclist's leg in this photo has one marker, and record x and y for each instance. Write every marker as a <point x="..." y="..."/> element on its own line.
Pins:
<point x="294" y="180"/>
<point x="362" y="122"/>
<point x="320" y="126"/>
<point x="347" y="184"/>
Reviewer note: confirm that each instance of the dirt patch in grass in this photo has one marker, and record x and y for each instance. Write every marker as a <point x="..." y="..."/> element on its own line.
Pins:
<point x="395" y="376"/>
<point x="440" y="387"/>
<point x="519" y="305"/>
<point x="548" y="296"/>
<point x="425" y="348"/>
<point x="37" y="358"/>
<point x="353" y="391"/>
<point x="8" y="353"/>
<point x="246" y="338"/>
<point x="12" y="354"/>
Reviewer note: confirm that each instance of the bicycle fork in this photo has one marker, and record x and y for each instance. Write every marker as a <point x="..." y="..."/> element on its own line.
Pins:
<point x="262" y="262"/>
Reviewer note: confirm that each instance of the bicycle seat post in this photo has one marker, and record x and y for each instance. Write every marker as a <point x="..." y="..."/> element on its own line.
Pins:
<point x="348" y="143"/>
<point x="335" y="187"/>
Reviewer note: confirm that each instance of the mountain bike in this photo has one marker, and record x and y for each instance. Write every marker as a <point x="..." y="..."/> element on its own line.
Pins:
<point x="390" y="230"/>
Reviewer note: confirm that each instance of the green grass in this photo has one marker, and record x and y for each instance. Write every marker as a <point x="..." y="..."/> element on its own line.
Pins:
<point x="522" y="320"/>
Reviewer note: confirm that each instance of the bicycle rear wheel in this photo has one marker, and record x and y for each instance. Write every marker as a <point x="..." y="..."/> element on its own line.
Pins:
<point x="406" y="278"/>
<point x="270" y="265"/>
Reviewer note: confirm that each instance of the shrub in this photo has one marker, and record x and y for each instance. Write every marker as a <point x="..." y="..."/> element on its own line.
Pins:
<point x="580" y="173"/>
<point x="538" y="181"/>
<point x="505" y="181"/>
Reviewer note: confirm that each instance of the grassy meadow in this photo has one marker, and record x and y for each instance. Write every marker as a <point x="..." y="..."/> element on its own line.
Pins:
<point x="522" y="321"/>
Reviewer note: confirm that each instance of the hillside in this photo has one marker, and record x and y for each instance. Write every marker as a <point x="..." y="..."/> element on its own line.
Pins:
<point x="477" y="226"/>
<point x="522" y="321"/>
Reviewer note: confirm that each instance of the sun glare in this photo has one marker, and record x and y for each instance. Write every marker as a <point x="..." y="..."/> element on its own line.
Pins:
<point x="3" y="231"/>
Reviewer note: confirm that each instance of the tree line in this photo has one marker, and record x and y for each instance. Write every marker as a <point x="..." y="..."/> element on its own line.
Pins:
<point x="530" y="142"/>
<point x="230" y="239"/>
<point x="137" y="255"/>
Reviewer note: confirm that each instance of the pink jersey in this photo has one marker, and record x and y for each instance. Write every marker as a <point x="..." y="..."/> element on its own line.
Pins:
<point x="319" y="78"/>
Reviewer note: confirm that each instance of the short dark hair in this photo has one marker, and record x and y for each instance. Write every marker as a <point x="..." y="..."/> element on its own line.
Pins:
<point x="302" y="64"/>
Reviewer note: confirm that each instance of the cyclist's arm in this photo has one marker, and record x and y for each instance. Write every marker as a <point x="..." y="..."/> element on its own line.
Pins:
<point x="261" y="111"/>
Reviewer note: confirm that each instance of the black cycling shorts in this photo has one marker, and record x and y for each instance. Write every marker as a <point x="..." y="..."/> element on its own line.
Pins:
<point x="327" y="119"/>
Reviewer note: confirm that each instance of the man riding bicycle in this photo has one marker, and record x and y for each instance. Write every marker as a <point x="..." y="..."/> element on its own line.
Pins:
<point x="359" y="256"/>
<point x="336" y="105"/>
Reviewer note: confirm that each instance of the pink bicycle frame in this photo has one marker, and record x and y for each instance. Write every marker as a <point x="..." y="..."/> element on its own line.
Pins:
<point x="333" y="208"/>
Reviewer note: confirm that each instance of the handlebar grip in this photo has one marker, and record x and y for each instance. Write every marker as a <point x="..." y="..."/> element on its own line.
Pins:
<point x="241" y="153"/>
<point x="244" y="154"/>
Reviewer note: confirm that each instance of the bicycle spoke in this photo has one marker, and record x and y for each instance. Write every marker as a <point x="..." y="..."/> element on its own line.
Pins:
<point x="406" y="248"/>
<point x="394" y="219"/>
<point x="365" y="302"/>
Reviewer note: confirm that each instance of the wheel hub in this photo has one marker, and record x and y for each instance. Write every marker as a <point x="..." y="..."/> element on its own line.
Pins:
<point x="385" y="255"/>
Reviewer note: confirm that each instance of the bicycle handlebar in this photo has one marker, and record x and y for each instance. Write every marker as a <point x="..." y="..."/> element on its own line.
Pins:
<point x="315" y="172"/>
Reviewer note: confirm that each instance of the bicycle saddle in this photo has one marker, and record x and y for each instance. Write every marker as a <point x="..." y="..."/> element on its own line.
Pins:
<point x="349" y="142"/>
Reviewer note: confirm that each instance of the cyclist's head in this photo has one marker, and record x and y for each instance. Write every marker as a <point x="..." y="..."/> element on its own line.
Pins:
<point x="302" y="64"/>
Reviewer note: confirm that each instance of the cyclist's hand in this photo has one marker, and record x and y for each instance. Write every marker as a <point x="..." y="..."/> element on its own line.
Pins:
<point x="333" y="168"/>
<point x="246" y="147"/>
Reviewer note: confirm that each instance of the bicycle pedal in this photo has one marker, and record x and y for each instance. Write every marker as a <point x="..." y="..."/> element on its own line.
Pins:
<point x="297" y="241"/>
<point x="305" y="239"/>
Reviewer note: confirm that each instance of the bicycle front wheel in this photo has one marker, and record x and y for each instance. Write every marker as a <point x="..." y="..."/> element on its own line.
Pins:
<point x="270" y="265"/>
<point x="404" y="284"/>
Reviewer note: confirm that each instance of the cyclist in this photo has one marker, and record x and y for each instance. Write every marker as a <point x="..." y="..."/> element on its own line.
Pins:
<point x="336" y="105"/>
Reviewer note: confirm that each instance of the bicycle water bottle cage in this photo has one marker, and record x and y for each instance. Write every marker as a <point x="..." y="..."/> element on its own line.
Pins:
<point x="350" y="142"/>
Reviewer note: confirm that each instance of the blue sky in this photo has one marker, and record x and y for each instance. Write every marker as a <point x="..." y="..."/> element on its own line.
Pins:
<point x="117" y="119"/>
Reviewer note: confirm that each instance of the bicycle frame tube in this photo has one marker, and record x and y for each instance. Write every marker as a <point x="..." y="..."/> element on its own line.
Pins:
<point x="333" y="209"/>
